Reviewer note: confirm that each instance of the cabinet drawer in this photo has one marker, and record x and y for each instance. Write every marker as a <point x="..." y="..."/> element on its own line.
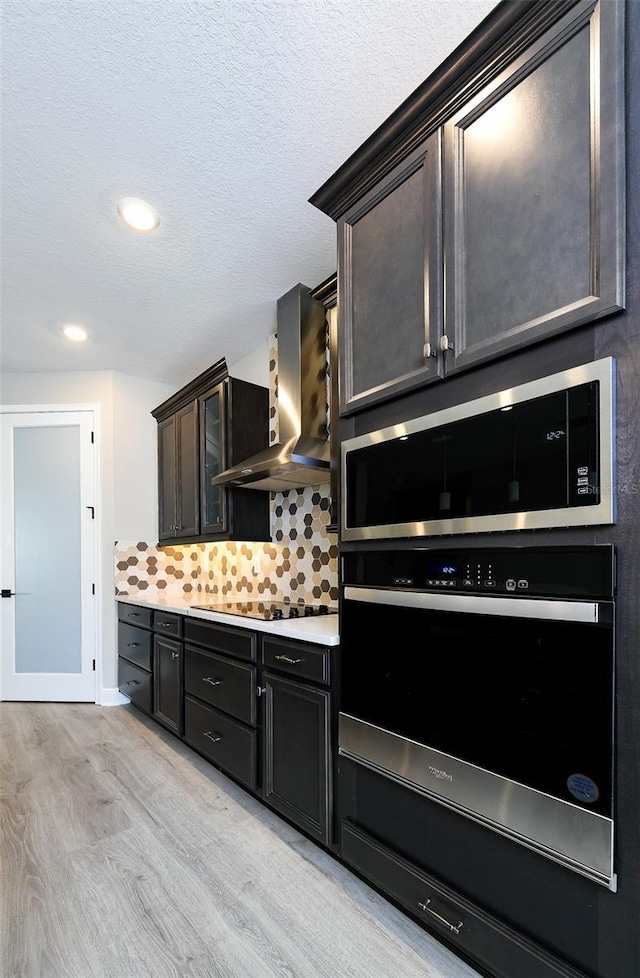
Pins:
<point x="234" y="641"/>
<point x="167" y="624"/>
<point x="225" y="742"/>
<point x="297" y="659"/>
<point x="227" y="685"/>
<point x="491" y="943"/>
<point x="134" y="614"/>
<point x="135" y="683"/>
<point x="134" y="644"/>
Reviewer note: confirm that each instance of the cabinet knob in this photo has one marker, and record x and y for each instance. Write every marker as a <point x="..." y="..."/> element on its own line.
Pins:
<point x="133" y="682"/>
<point x="175" y="655"/>
<point x="429" y="351"/>
<point x="445" y="343"/>
<point x="133" y="645"/>
<point x="176" y="528"/>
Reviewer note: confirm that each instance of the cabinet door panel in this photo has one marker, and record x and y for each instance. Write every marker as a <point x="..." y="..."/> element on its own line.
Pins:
<point x="390" y="268"/>
<point x="188" y="509"/>
<point x="167" y="479"/>
<point x="167" y="683"/>
<point x="296" y="753"/>
<point x="213" y="499"/>
<point x="533" y="238"/>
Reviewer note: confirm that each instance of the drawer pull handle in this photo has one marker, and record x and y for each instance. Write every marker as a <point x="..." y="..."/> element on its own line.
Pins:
<point x="133" y="645"/>
<point x="133" y="614"/>
<point x="212" y="682"/>
<point x="132" y="682"/>
<point x="174" y="655"/>
<point x="213" y="737"/>
<point x="456" y="928"/>
<point x="166" y="624"/>
<point x="285" y="658"/>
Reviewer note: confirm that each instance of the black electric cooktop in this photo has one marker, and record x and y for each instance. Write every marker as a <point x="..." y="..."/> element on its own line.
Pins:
<point x="268" y="610"/>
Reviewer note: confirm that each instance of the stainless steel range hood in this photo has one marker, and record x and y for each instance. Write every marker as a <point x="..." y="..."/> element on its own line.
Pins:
<point x="300" y="457"/>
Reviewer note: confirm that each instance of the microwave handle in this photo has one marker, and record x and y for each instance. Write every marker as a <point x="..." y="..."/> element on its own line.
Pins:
<point x="474" y="604"/>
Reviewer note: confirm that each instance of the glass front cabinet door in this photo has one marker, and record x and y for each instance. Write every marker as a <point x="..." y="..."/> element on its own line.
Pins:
<point x="212" y="454"/>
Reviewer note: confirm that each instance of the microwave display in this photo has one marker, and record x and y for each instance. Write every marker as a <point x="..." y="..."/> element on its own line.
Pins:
<point x="539" y="455"/>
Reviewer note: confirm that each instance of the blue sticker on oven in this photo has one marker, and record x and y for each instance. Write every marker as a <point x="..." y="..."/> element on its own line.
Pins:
<point x="583" y="788"/>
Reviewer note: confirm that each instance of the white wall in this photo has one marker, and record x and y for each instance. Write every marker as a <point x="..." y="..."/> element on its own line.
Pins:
<point x="253" y="368"/>
<point x="135" y="436"/>
<point x="128" y="466"/>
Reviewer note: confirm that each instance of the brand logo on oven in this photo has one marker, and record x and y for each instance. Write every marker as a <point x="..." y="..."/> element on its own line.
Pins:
<point x="440" y="775"/>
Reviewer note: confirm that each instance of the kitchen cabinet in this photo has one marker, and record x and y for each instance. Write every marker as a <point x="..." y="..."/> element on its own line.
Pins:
<point x="390" y="279"/>
<point x="220" y="697"/>
<point x="487" y="213"/>
<point x="297" y="744"/>
<point x="167" y="671"/>
<point x="210" y="424"/>
<point x="261" y="707"/>
<point x="233" y="426"/>
<point x="135" y="641"/>
<point x="178" y="513"/>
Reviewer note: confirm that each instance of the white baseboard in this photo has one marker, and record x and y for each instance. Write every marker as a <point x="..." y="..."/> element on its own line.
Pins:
<point x="112" y="697"/>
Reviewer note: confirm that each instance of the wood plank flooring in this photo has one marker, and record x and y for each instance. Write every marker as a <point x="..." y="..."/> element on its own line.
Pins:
<point x="125" y="855"/>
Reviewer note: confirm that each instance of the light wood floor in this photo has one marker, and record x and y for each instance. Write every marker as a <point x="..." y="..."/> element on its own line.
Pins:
<point x="124" y="854"/>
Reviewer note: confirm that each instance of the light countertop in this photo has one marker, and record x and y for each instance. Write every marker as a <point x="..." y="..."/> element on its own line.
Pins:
<point x="320" y="629"/>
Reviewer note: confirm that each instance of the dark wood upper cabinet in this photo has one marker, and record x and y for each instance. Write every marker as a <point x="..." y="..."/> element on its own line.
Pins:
<point x="178" y="510"/>
<point x="487" y="213"/>
<point x="209" y="425"/>
<point x="390" y="274"/>
<point x="534" y="192"/>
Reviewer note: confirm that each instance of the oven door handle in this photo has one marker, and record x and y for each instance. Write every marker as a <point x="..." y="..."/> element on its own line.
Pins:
<point x="474" y="604"/>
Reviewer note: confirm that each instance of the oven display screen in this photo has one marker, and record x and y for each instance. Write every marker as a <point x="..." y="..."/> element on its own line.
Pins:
<point x="442" y="570"/>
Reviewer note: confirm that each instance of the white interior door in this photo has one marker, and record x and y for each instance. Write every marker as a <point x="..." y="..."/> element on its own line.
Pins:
<point x="48" y="561"/>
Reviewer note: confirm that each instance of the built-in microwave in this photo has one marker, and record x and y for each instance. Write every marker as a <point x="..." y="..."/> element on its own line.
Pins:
<point x="533" y="456"/>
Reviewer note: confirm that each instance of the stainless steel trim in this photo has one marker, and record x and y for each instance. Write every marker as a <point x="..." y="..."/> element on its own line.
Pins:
<point x="601" y="513"/>
<point x="579" y="839"/>
<point x="472" y="604"/>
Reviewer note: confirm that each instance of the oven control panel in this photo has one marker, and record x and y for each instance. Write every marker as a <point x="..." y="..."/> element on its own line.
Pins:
<point x="518" y="571"/>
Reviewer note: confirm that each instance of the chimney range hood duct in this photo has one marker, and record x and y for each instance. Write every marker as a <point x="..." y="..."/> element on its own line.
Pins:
<point x="301" y="456"/>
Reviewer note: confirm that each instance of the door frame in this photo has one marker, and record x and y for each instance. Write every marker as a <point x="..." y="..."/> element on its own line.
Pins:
<point x="98" y="617"/>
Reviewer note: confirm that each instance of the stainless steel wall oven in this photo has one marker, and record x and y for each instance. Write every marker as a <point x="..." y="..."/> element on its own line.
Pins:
<point x="484" y="679"/>
<point x="537" y="455"/>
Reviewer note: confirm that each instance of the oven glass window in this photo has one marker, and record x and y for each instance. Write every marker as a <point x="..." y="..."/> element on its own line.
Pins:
<point x="537" y="455"/>
<point x="529" y="700"/>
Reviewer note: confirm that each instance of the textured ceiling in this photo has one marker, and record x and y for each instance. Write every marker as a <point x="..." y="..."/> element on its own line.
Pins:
<point x="226" y="115"/>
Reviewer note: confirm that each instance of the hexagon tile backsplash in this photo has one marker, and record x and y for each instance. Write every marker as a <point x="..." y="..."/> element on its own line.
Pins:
<point x="301" y="562"/>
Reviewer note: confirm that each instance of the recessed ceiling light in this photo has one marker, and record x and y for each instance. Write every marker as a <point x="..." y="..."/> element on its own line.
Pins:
<point x="138" y="215"/>
<point x="76" y="333"/>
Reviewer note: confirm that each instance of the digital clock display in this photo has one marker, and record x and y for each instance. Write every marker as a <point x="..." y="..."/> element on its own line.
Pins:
<point x="442" y="570"/>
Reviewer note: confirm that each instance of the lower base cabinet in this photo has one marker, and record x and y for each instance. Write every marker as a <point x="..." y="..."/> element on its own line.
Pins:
<point x="230" y="745"/>
<point x="259" y="707"/>
<point x="167" y="683"/>
<point x="296" y="753"/>
<point x="474" y="934"/>
<point x="135" y="683"/>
